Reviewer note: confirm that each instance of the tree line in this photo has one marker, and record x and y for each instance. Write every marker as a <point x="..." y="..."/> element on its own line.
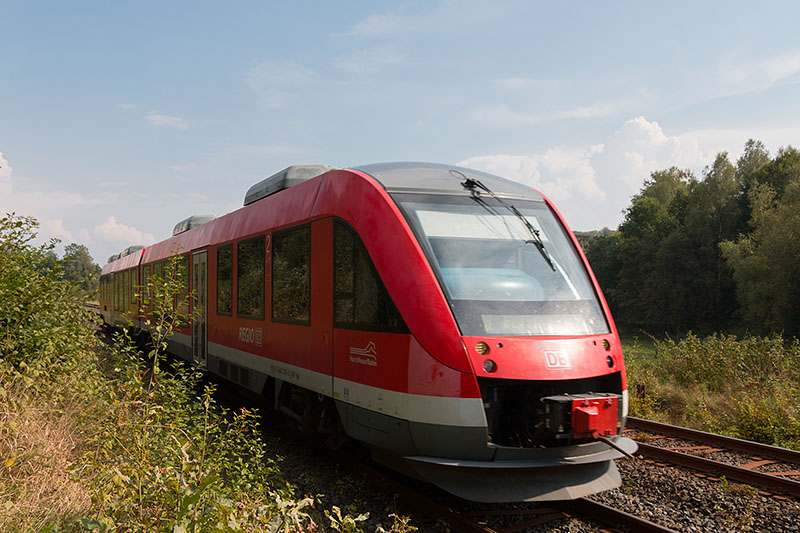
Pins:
<point x="719" y="253"/>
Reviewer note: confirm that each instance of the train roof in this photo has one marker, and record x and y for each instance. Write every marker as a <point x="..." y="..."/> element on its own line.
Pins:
<point x="288" y="177"/>
<point x="401" y="177"/>
<point x="191" y="222"/>
<point x="437" y="178"/>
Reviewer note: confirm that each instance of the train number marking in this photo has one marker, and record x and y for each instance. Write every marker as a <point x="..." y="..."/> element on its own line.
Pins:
<point x="556" y="359"/>
<point x="367" y="355"/>
<point x="250" y="335"/>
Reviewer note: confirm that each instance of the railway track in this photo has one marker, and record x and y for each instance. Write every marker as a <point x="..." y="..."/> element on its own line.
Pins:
<point x="697" y="445"/>
<point x="475" y="521"/>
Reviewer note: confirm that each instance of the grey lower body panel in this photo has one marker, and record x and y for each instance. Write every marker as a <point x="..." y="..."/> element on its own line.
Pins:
<point x="246" y="377"/>
<point x="516" y="484"/>
<point x="459" y="460"/>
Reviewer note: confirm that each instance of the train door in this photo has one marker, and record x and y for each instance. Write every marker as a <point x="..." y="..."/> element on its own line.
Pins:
<point x="200" y="287"/>
<point x="322" y="300"/>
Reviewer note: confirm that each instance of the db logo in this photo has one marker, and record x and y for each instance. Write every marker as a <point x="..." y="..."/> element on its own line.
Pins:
<point x="556" y="359"/>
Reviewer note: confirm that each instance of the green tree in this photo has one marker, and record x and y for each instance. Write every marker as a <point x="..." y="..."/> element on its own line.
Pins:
<point x="38" y="312"/>
<point x="712" y="216"/>
<point x="764" y="262"/>
<point x="781" y="171"/>
<point x="79" y="267"/>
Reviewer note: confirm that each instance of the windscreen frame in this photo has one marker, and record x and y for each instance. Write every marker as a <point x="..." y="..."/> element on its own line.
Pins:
<point x="403" y="198"/>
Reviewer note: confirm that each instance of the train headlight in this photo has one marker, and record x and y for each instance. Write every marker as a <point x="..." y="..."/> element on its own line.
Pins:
<point x="489" y="366"/>
<point x="482" y="348"/>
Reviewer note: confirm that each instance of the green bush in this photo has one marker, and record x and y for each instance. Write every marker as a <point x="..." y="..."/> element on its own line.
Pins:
<point x="747" y="388"/>
<point x="104" y="439"/>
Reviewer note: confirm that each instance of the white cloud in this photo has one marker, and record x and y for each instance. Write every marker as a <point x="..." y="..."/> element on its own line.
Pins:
<point x="592" y="185"/>
<point x="5" y="176"/>
<point x="448" y="16"/>
<point x="113" y="232"/>
<point x="55" y="228"/>
<point x="166" y="121"/>
<point x="503" y="116"/>
<point x="517" y="83"/>
<point x="274" y="82"/>
<point x="640" y="147"/>
<point x="743" y="75"/>
<point x="369" y="61"/>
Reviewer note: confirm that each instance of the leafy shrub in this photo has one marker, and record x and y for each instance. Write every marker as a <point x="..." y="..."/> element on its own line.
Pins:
<point x="108" y="440"/>
<point x="747" y="388"/>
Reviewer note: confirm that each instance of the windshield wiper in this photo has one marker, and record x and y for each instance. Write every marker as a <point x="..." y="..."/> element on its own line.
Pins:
<point x="536" y="240"/>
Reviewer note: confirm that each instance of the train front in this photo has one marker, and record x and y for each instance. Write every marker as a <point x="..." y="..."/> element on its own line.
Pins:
<point x="540" y="340"/>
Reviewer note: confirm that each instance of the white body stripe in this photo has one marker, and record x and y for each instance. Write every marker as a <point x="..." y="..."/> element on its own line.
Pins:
<point x="625" y="403"/>
<point x="308" y="379"/>
<point x="466" y="412"/>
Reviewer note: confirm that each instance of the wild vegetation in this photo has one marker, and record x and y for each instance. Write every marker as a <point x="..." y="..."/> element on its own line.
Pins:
<point x="718" y="256"/>
<point x="103" y="439"/>
<point x="747" y="388"/>
<point x="708" y="255"/>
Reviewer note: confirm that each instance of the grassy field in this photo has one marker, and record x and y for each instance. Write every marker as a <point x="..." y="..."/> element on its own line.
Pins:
<point x="743" y="387"/>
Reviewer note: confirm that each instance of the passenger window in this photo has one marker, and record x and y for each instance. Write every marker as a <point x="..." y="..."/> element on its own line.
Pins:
<point x="225" y="280"/>
<point x="360" y="299"/>
<point x="291" y="271"/>
<point x="250" y="278"/>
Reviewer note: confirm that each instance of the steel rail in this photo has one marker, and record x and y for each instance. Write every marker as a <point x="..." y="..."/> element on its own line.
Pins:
<point x="751" y="477"/>
<point x="612" y="517"/>
<point x="741" y="445"/>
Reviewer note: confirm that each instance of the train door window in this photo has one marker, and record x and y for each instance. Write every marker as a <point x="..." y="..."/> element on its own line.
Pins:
<point x="145" y="285"/>
<point x="157" y="272"/>
<point x="126" y="288"/>
<point x="182" y="276"/>
<point x="168" y="271"/>
<point x="133" y="291"/>
<point x="225" y="280"/>
<point x="250" y="278"/>
<point x="359" y="297"/>
<point x="291" y="275"/>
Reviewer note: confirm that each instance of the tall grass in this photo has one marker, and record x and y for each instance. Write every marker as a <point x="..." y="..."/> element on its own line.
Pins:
<point x="747" y="388"/>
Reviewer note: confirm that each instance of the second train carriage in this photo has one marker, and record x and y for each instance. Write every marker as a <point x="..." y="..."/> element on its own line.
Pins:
<point x="445" y="317"/>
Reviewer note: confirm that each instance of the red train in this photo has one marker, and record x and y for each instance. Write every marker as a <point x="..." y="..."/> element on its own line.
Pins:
<point x="445" y="317"/>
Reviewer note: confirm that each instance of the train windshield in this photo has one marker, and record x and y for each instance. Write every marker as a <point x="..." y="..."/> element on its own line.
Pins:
<point x="498" y="280"/>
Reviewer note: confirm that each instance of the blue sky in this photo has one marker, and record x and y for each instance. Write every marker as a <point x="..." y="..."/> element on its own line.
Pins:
<point x="118" y="119"/>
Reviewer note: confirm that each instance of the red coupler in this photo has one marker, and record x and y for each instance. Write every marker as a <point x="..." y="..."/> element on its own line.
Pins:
<point x="594" y="416"/>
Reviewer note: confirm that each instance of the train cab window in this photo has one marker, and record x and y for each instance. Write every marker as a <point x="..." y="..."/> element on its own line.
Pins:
<point x="250" y="278"/>
<point x="291" y="270"/>
<point x="225" y="280"/>
<point x="145" y="285"/>
<point x="360" y="299"/>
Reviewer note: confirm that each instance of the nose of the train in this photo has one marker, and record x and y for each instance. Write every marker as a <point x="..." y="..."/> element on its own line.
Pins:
<point x="544" y="358"/>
